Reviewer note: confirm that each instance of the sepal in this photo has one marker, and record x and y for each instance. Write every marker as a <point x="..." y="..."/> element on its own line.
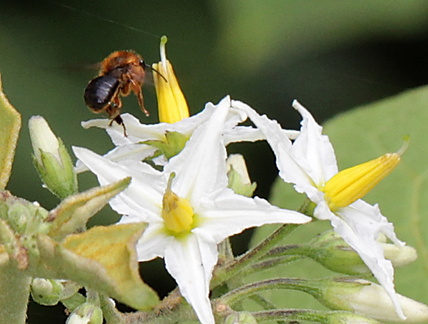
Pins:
<point x="238" y="177"/>
<point x="86" y="313"/>
<point x="172" y="144"/>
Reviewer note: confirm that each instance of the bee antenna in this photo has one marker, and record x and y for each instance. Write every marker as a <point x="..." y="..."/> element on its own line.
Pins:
<point x="148" y="66"/>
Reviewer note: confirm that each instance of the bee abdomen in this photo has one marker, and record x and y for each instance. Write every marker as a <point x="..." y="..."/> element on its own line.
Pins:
<point x="100" y="92"/>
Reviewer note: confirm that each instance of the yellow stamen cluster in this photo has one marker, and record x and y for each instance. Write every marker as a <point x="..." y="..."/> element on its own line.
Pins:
<point x="351" y="184"/>
<point x="172" y="105"/>
<point x="177" y="212"/>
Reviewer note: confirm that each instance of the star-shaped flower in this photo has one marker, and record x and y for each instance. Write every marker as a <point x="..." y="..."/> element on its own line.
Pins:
<point x="310" y="164"/>
<point x="187" y="206"/>
<point x="136" y="146"/>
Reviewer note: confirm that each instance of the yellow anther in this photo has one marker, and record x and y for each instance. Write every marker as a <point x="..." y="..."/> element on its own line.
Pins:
<point x="172" y="105"/>
<point x="177" y="212"/>
<point x="354" y="183"/>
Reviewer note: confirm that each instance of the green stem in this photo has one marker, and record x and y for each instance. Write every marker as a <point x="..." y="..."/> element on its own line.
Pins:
<point x="265" y="304"/>
<point x="234" y="296"/>
<point x="110" y="313"/>
<point x="92" y="297"/>
<point x="272" y="263"/>
<point x="291" y="315"/>
<point x="14" y="294"/>
<point x="252" y="256"/>
<point x="322" y="317"/>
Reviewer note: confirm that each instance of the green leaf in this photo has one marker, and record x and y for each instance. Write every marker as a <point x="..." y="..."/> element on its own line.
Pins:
<point x="358" y="136"/>
<point x="284" y="31"/>
<point x="104" y="259"/>
<point x="74" y="211"/>
<point x="10" y="124"/>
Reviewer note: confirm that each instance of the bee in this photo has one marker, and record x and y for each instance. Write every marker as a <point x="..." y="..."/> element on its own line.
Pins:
<point x="121" y="73"/>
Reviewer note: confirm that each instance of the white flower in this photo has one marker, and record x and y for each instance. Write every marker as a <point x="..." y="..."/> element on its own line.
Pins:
<point x="309" y="163"/>
<point x="133" y="147"/>
<point x="188" y="207"/>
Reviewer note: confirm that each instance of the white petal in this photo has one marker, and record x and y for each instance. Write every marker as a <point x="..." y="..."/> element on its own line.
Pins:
<point x="314" y="150"/>
<point x="229" y="214"/>
<point x="137" y="152"/>
<point x="243" y="134"/>
<point x="100" y="123"/>
<point x="360" y="229"/>
<point x="382" y="224"/>
<point x="153" y="242"/>
<point x="201" y="167"/>
<point x="191" y="261"/>
<point x="289" y="169"/>
<point x="144" y="195"/>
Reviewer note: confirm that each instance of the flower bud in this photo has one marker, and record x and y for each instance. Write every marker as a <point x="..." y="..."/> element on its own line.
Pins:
<point x="239" y="180"/>
<point x="330" y="250"/>
<point x="240" y="318"/>
<point x="86" y="314"/>
<point x="371" y="300"/>
<point x="22" y="216"/>
<point x="46" y="291"/>
<point x="51" y="159"/>
<point x="399" y="255"/>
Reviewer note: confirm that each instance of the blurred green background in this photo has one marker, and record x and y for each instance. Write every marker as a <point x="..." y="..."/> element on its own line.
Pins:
<point x="330" y="55"/>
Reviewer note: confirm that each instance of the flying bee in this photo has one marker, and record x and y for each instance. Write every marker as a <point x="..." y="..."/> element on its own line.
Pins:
<point x="121" y="73"/>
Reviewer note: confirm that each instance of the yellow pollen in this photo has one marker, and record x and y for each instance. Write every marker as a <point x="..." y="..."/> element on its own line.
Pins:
<point x="354" y="183"/>
<point x="177" y="212"/>
<point x="172" y="105"/>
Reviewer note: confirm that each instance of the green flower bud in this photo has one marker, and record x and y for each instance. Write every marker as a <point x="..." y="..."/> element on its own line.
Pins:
<point x="86" y="314"/>
<point x="51" y="159"/>
<point x="369" y="299"/>
<point x="330" y="250"/>
<point x="46" y="291"/>
<point x="239" y="180"/>
<point x="22" y="216"/>
<point x="240" y="318"/>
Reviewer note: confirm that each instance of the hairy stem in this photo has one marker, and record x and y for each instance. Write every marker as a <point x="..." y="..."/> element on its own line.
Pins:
<point x="14" y="294"/>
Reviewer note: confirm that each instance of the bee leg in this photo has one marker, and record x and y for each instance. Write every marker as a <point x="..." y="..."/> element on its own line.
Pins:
<point x="139" y="93"/>
<point x="113" y="111"/>
<point x="141" y="103"/>
<point x="119" y="120"/>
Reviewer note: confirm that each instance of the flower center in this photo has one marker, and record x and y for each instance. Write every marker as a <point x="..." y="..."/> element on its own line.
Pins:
<point x="177" y="212"/>
<point x="351" y="184"/>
